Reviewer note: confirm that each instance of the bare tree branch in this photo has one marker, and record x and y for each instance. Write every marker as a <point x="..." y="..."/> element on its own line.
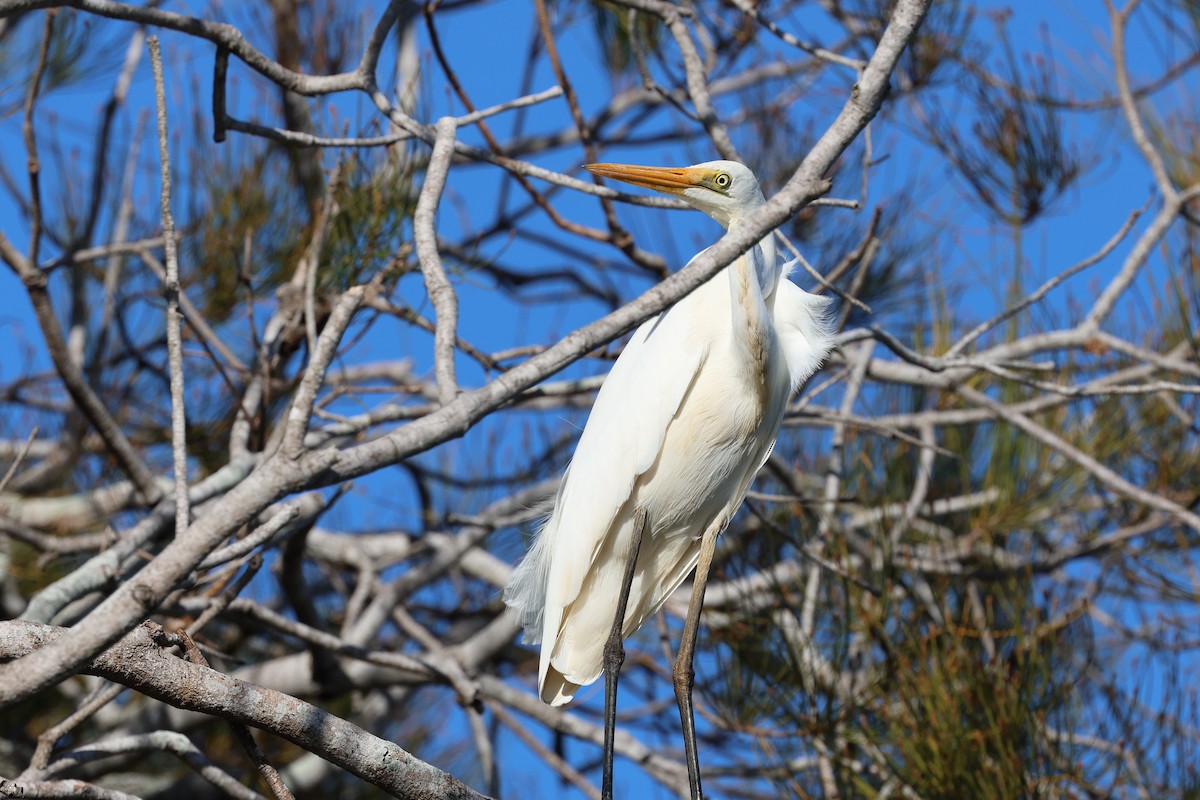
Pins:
<point x="139" y="662"/>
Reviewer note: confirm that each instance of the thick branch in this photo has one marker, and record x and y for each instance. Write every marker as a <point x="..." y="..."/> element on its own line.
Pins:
<point x="441" y="292"/>
<point x="138" y="662"/>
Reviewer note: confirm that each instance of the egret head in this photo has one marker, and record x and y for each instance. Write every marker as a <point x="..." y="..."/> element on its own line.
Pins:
<point x="725" y="190"/>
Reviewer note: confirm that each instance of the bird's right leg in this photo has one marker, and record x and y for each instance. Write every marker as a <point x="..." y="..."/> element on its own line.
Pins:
<point x="614" y="653"/>
<point x="683" y="672"/>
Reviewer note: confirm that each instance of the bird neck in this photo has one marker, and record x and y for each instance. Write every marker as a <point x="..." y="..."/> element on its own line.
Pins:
<point x="731" y="219"/>
<point x="752" y="280"/>
<point x="761" y="260"/>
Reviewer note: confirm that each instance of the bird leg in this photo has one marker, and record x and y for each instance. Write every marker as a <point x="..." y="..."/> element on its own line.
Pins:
<point x="614" y="653"/>
<point x="683" y="673"/>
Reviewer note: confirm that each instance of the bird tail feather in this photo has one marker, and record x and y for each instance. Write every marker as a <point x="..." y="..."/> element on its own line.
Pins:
<point x="526" y="590"/>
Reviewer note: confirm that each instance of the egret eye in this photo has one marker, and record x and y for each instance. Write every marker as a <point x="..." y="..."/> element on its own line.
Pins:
<point x="722" y="180"/>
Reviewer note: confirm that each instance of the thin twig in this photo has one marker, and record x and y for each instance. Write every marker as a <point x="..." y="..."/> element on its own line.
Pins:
<point x="33" y="163"/>
<point x="824" y="284"/>
<point x="174" y="316"/>
<point x="1173" y="204"/>
<point x="746" y="7"/>
<point x="227" y="595"/>
<point x="36" y="284"/>
<point x="1101" y="472"/>
<point x="115" y="267"/>
<point x="312" y="256"/>
<point x="103" y="694"/>
<point x="300" y="414"/>
<point x="1049" y="285"/>
<point x="1133" y="117"/>
<point x="445" y="662"/>
<point x="76" y="789"/>
<point x="553" y="759"/>
<point x="160" y="741"/>
<point x="440" y="290"/>
<point x="195" y="318"/>
<point x="619" y="236"/>
<point x="241" y="731"/>
<point x="302" y="139"/>
<point x="258" y="536"/>
<point x="697" y="84"/>
<point x="496" y="153"/>
<point x="16" y="464"/>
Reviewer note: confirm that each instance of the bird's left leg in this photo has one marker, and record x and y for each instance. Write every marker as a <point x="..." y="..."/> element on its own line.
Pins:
<point x="614" y="653"/>
<point x="683" y="673"/>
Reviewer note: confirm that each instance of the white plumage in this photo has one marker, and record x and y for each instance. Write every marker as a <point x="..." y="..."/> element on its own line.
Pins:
<point x="683" y="422"/>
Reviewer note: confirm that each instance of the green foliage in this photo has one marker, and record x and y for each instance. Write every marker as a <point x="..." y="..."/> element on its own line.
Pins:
<point x="959" y="724"/>
<point x="1017" y="161"/>
<point x="251" y="207"/>
<point x="375" y="202"/>
<point x="78" y="53"/>
<point x="250" y="228"/>
<point x="977" y="682"/>
<point x="622" y="32"/>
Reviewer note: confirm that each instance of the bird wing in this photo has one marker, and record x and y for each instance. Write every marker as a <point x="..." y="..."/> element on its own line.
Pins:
<point x="621" y="441"/>
<point x="804" y="327"/>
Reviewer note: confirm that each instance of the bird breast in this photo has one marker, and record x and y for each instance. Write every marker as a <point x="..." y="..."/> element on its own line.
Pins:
<point x="725" y="424"/>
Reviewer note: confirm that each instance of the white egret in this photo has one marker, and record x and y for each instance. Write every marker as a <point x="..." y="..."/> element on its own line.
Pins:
<point x="684" y="420"/>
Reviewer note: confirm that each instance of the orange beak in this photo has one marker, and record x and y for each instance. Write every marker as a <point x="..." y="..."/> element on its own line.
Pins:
<point x="670" y="180"/>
